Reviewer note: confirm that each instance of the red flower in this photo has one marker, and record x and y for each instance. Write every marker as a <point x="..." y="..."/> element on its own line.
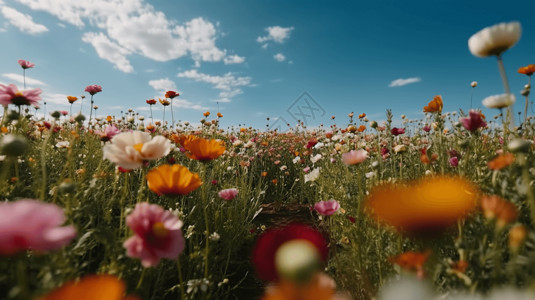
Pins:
<point x="268" y="243"/>
<point x="475" y="121"/>
<point x="151" y="102"/>
<point x="398" y="131"/>
<point x="311" y="143"/>
<point x="171" y="94"/>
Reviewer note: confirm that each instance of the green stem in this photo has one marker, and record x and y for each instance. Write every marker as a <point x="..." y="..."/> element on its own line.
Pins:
<point x="509" y="118"/>
<point x="140" y="281"/>
<point x="180" y="279"/>
<point x="43" y="163"/>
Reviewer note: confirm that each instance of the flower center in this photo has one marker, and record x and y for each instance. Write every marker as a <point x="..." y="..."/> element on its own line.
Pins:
<point x="159" y="230"/>
<point x="138" y="147"/>
<point x="19" y="99"/>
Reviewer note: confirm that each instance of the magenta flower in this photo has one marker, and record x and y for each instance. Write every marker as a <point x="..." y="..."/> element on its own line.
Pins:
<point x="228" y="194"/>
<point x="426" y="128"/>
<point x="157" y="234"/>
<point x="93" y="89"/>
<point x="354" y="157"/>
<point x="9" y="94"/>
<point x="454" y="161"/>
<point x="398" y="131"/>
<point x="32" y="225"/>
<point x="327" y="208"/>
<point x="25" y="64"/>
<point x="474" y="121"/>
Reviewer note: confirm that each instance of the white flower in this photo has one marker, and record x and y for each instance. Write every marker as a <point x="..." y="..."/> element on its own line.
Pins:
<point x="214" y="237"/>
<point x="319" y="145"/>
<point x="400" y="148"/>
<point x="130" y="149"/>
<point x="63" y="144"/>
<point x="499" y="101"/>
<point x="284" y="168"/>
<point x="369" y="174"/>
<point x="249" y="144"/>
<point x="313" y="175"/>
<point x="296" y="159"/>
<point x="494" y="40"/>
<point x="473" y="84"/>
<point x="315" y="158"/>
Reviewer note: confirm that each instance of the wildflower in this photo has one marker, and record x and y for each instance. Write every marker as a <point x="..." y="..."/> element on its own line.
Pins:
<point x="9" y="94"/>
<point x="412" y="261"/>
<point x="397" y="131"/>
<point x="362" y="115"/>
<point x="475" y="121"/>
<point x="25" y="64"/>
<point x="499" y="101"/>
<point x="494" y="40"/>
<point x="454" y="161"/>
<point x="71" y="99"/>
<point x="327" y="208"/>
<point x="314" y="159"/>
<point x="228" y="194"/>
<point x="171" y="94"/>
<point x="527" y="70"/>
<point x="103" y="287"/>
<point x="432" y="203"/>
<point x="435" y="105"/>
<point x="109" y="132"/>
<point x="93" y="89"/>
<point x="501" y="161"/>
<point x="164" y="102"/>
<point x="354" y="157"/>
<point x="219" y="115"/>
<point x="13" y="145"/>
<point x="267" y="245"/>
<point x="202" y="149"/>
<point x="400" y="148"/>
<point x="361" y="128"/>
<point x="206" y="114"/>
<point x="473" y="84"/>
<point x="130" y="149"/>
<point x="311" y="143"/>
<point x="313" y="175"/>
<point x="320" y="287"/>
<point x="517" y="236"/>
<point x="151" y="101"/>
<point x="32" y="225"/>
<point x="172" y="180"/>
<point x="157" y="234"/>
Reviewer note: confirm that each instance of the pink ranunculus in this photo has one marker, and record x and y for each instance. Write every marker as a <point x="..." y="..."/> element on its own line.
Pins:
<point x="32" y="225"/>
<point x="228" y="194"/>
<point x="25" y="64"/>
<point x="354" y="157"/>
<point x="474" y="121"/>
<point x="9" y="94"/>
<point x="93" y="89"/>
<point x="157" y="234"/>
<point x="327" y="208"/>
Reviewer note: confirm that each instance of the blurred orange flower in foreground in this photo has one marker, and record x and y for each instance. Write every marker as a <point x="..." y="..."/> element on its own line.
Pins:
<point x="172" y="180"/>
<point x="203" y="149"/>
<point x="435" y="105"/>
<point x="412" y="261"/>
<point x="321" y="287"/>
<point x="424" y="206"/>
<point x="501" y="161"/>
<point x="102" y="287"/>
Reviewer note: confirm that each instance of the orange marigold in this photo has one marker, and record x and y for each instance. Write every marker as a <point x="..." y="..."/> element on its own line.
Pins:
<point x="206" y="114"/>
<point x="501" y="161"/>
<point x="435" y="105"/>
<point x="527" y="70"/>
<point x="424" y="206"/>
<point x="71" y="99"/>
<point x="172" y="180"/>
<point x="203" y="149"/>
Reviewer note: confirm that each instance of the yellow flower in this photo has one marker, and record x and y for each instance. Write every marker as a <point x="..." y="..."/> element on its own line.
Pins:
<point x="203" y="150"/>
<point x="424" y="206"/>
<point x="172" y="180"/>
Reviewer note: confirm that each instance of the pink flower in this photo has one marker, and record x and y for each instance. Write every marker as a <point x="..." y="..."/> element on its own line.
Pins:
<point x="9" y="94"/>
<point x="228" y="194"/>
<point x="354" y="157"/>
<point x="427" y="128"/>
<point x="157" y="234"/>
<point x="25" y="64"/>
<point x="32" y="225"/>
<point x="108" y="133"/>
<point x="93" y="89"/>
<point x="454" y="161"/>
<point x="327" y="208"/>
<point x="398" y="131"/>
<point x="474" y="121"/>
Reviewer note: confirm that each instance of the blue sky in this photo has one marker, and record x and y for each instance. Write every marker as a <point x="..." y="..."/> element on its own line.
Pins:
<point x="254" y="59"/>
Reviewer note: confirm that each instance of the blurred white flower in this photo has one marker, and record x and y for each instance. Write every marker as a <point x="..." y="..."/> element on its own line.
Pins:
<point x="473" y="84"/>
<point x="494" y="40"/>
<point x="313" y="175"/>
<point x="315" y="158"/>
<point x="499" y="101"/>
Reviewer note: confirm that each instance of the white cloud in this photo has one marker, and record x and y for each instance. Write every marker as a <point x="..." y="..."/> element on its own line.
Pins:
<point x="275" y="33"/>
<point x="228" y="83"/>
<point x="279" y="57"/>
<point x="22" y="21"/>
<point x="162" y="85"/>
<point x="109" y="50"/>
<point x="135" y="27"/>
<point x="55" y="98"/>
<point x="20" y="79"/>
<point x="233" y="59"/>
<point x="404" y="81"/>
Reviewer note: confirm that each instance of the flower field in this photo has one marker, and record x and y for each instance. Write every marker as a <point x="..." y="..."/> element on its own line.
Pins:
<point x="128" y="208"/>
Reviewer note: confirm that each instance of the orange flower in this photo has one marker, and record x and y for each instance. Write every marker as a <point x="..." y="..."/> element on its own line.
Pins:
<point x="264" y="174"/>
<point x="243" y="130"/>
<point x="219" y="115"/>
<point x="517" y="236"/>
<point x="351" y="128"/>
<point x="181" y="139"/>
<point x="71" y="99"/>
<point x="501" y="161"/>
<point x="361" y="128"/>
<point x="412" y="261"/>
<point x="171" y="94"/>
<point x="4" y="129"/>
<point x="274" y="181"/>
<point x="428" y="205"/>
<point x="172" y="180"/>
<point x="164" y="102"/>
<point x="435" y="105"/>
<point x="204" y="150"/>
<point x="527" y="70"/>
<point x="104" y="287"/>
<point x="206" y="114"/>
<point x="108" y="118"/>
<point x="321" y="287"/>
<point x="362" y="115"/>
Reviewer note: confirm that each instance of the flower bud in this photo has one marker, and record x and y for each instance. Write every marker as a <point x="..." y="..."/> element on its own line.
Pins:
<point x="517" y="236"/>
<point x="519" y="146"/>
<point x="297" y="260"/>
<point x="79" y="118"/>
<point x="67" y="186"/>
<point x="13" y="145"/>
